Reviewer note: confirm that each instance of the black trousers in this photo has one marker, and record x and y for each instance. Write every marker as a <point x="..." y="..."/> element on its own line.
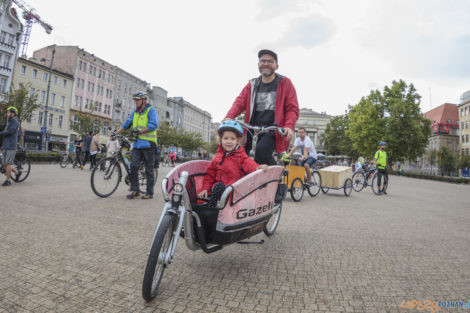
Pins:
<point x="77" y="158"/>
<point x="147" y="155"/>
<point x="385" y="173"/>
<point x="87" y="155"/>
<point x="264" y="148"/>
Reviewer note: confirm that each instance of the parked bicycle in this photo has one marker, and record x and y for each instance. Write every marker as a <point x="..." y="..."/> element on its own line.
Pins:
<point x="369" y="177"/>
<point x="70" y="157"/>
<point x="21" y="164"/>
<point x="245" y="209"/>
<point x="107" y="175"/>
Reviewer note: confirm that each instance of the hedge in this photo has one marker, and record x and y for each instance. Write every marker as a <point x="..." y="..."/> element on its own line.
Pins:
<point x="455" y="180"/>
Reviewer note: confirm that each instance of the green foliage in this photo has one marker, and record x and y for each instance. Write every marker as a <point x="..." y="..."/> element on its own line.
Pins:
<point x="335" y="138"/>
<point x="447" y="160"/>
<point x="463" y="161"/>
<point x="86" y="122"/>
<point x="187" y="140"/>
<point x="432" y="156"/>
<point x="20" y="98"/>
<point x="392" y="116"/>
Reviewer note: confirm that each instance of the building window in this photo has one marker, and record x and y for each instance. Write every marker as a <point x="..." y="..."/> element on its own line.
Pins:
<point x="51" y="119"/>
<point x="11" y="39"/>
<point x="53" y="99"/>
<point x="60" y="121"/>
<point x="44" y="76"/>
<point x="40" y="118"/>
<point x="3" y="83"/>
<point x="35" y="73"/>
<point x="96" y="126"/>
<point x="3" y="37"/>
<point x="32" y="91"/>
<point x="466" y="137"/>
<point x="55" y="80"/>
<point x="43" y="96"/>
<point x="6" y="60"/>
<point x="64" y="83"/>
<point x="62" y="101"/>
<point x="105" y="128"/>
<point x="23" y="69"/>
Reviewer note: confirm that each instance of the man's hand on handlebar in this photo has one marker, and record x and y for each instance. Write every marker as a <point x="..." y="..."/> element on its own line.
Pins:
<point x="289" y="133"/>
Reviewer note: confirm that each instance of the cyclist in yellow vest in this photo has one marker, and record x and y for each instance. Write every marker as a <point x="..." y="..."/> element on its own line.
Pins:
<point x="144" y="122"/>
<point x="380" y="161"/>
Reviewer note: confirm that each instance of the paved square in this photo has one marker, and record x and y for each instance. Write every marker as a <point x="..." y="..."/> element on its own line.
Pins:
<point x="63" y="249"/>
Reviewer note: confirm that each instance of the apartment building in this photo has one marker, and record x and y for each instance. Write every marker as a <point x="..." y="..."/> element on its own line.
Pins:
<point x="464" y="113"/>
<point x="159" y="99"/>
<point x="58" y="108"/>
<point x="126" y="85"/>
<point x="10" y="34"/>
<point x="191" y="118"/>
<point x="94" y="82"/>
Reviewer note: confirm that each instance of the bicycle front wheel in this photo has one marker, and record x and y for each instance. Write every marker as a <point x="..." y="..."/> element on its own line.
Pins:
<point x="358" y="181"/>
<point x="313" y="187"/>
<point x="105" y="177"/>
<point x="64" y="161"/>
<point x="23" y="167"/>
<point x="158" y="254"/>
<point x="297" y="189"/>
<point x="270" y="227"/>
<point x="379" y="183"/>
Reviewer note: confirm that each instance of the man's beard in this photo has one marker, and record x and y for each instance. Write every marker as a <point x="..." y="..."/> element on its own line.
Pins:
<point x="266" y="72"/>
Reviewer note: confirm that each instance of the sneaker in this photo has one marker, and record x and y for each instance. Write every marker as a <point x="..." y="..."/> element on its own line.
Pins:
<point x="133" y="195"/>
<point x="81" y="167"/>
<point x="384" y="192"/>
<point x="17" y="177"/>
<point x="6" y="183"/>
<point x="147" y="196"/>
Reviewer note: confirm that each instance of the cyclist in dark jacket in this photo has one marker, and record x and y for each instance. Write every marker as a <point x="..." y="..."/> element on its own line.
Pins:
<point x="10" y="143"/>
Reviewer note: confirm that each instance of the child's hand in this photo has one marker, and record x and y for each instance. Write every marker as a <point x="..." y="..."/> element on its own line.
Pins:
<point x="203" y="194"/>
<point x="263" y="167"/>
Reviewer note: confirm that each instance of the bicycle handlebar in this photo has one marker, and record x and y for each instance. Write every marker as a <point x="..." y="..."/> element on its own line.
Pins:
<point x="263" y="129"/>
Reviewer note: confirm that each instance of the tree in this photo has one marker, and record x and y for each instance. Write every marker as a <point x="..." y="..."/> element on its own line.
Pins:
<point x="85" y="122"/>
<point x="23" y="99"/>
<point x="392" y="116"/>
<point x="463" y="161"/>
<point x="446" y="160"/>
<point x="432" y="156"/>
<point x="335" y="138"/>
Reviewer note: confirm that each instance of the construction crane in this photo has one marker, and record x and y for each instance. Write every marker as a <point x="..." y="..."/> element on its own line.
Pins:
<point x="31" y="17"/>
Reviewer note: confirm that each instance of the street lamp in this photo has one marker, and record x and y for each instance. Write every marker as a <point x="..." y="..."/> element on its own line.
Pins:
<point x="44" y="138"/>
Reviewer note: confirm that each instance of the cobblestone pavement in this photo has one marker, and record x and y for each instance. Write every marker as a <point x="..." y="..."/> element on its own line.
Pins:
<point x="63" y="249"/>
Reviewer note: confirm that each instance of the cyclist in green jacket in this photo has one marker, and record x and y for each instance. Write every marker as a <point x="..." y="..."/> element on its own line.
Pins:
<point x="380" y="161"/>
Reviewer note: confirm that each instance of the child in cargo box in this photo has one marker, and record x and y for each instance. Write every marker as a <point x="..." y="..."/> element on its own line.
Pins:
<point x="229" y="164"/>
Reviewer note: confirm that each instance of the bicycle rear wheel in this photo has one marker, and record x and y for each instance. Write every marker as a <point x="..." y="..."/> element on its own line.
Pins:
<point x="313" y="187"/>
<point x="358" y="181"/>
<point x="297" y="189"/>
<point x="105" y="177"/>
<point x="270" y="227"/>
<point x="143" y="177"/>
<point x="23" y="167"/>
<point x="64" y="161"/>
<point x="378" y="182"/>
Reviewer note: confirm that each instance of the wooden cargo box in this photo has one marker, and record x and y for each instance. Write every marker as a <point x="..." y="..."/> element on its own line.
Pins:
<point x="334" y="176"/>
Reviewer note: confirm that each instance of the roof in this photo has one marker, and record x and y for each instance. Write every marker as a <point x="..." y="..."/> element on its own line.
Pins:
<point x="443" y="113"/>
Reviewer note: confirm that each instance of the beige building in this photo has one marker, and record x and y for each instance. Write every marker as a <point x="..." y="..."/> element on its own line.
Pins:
<point x="190" y="118"/>
<point x="464" y="114"/>
<point x="26" y="71"/>
<point x="315" y="125"/>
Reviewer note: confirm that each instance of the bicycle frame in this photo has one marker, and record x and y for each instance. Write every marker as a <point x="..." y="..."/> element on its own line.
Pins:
<point x="257" y="130"/>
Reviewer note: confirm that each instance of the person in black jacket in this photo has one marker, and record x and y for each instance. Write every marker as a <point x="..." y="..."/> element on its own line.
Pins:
<point x="9" y="144"/>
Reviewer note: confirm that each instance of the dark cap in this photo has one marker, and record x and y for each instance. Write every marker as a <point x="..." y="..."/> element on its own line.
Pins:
<point x="266" y="51"/>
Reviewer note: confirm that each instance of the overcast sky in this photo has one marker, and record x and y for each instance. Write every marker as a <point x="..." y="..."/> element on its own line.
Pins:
<point x="335" y="52"/>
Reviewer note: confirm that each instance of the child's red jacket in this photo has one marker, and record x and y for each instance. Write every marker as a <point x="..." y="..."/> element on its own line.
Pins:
<point x="228" y="167"/>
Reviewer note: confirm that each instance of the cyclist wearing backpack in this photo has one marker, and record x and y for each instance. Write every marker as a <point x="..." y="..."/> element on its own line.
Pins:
<point x="380" y="161"/>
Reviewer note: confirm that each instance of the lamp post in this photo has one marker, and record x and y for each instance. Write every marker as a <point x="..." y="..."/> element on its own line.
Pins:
<point x="44" y="136"/>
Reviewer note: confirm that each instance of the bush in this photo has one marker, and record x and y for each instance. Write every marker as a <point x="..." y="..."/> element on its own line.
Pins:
<point x="455" y="180"/>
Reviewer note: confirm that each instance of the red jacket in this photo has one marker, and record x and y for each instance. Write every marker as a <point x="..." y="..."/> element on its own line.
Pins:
<point x="286" y="110"/>
<point x="228" y="167"/>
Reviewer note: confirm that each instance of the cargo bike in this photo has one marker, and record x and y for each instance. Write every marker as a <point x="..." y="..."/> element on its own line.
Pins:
<point x="297" y="179"/>
<point x="246" y="208"/>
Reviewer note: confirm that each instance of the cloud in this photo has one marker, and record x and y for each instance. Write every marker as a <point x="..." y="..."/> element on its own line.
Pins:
<point x="274" y="8"/>
<point x="423" y="38"/>
<point x="308" y="32"/>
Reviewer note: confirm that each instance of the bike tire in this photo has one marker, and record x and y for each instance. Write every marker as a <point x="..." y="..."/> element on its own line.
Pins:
<point x="325" y="189"/>
<point x="64" y="161"/>
<point x="348" y="187"/>
<point x="23" y="164"/>
<point x="113" y="170"/>
<point x="143" y="177"/>
<point x="375" y="183"/>
<point x="269" y="228"/>
<point x="297" y="189"/>
<point x="358" y="180"/>
<point x="158" y="252"/>
<point x="314" y="187"/>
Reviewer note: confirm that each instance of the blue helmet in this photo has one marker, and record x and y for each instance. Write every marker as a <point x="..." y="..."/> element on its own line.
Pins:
<point x="382" y="143"/>
<point x="232" y="126"/>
